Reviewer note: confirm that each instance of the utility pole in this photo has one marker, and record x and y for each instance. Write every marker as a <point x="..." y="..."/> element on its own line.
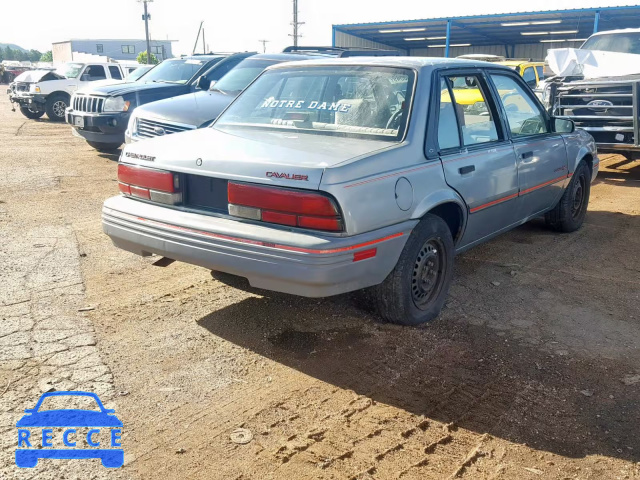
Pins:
<point x="264" y="45"/>
<point x="146" y="18"/>
<point x="295" y="24"/>
<point x="195" y="45"/>
<point x="204" y="45"/>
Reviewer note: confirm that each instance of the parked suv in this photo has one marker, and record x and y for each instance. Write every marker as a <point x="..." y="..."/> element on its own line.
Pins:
<point x="100" y="115"/>
<point x="48" y="91"/>
<point x="326" y="176"/>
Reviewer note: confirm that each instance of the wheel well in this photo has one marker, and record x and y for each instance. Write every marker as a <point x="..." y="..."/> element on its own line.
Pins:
<point x="451" y="213"/>
<point x="589" y="161"/>
<point x="59" y="92"/>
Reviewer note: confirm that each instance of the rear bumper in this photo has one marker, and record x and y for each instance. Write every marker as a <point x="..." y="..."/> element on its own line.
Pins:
<point x="101" y="128"/>
<point x="306" y="264"/>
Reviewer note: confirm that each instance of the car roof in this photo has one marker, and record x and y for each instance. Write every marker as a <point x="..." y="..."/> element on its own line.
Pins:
<point x="513" y="63"/>
<point x="620" y="30"/>
<point x="395" y="62"/>
<point x="284" y="57"/>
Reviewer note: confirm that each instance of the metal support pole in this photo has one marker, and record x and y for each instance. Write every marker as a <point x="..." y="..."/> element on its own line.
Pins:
<point x="596" y="21"/>
<point x="146" y="29"/>
<point x="204" y="45"/>
<point x="448" y="40"/>
<point x="295" y="23"/>
<point x="197" y="38"/>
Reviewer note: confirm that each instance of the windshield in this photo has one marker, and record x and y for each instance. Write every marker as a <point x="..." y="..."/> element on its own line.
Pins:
<point x="339" y="100"/>
<point x="176" y="71"/>
<point x="614" y="42"/>
<point x="67" y="402"/>
<point x="242" y="75"/>
<point x="137" y="73"/>
<point x="69" y="70"/>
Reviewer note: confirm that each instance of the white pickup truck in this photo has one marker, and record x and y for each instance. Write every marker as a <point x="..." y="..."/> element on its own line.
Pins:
<point x="42" y="91"/>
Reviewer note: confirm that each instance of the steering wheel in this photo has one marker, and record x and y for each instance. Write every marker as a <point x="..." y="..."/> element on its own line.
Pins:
<point x="394" y="119"/>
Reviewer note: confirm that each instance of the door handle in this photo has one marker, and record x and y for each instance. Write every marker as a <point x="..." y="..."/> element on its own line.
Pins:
<point x="526" y="155"/>
<point x="467" y="169"/>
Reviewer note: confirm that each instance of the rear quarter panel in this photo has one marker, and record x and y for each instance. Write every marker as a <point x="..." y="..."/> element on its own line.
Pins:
<point x="580" y="144"/>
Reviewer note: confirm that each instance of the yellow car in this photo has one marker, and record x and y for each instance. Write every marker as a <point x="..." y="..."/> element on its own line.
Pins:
<point x="469" y="97"/>
<point x="532" y="72"/>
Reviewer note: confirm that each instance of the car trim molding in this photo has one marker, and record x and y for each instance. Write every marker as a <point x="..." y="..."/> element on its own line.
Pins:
<point x="424" y="167"/>
<point x="520" y="193"/>
<point x="261" y="243"/>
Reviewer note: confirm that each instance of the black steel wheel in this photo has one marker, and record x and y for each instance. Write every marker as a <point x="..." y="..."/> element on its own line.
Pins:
<point x="569" y="214"/>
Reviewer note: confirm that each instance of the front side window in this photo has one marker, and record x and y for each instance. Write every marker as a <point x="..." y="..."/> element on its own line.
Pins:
<point x="523" y="114"/>
<point x="529" y="76"/>
<point x="469" y="100"/>
<point x="354" y="101"/>
<point x="95" y="72"/>
<point x="128" y="49"/>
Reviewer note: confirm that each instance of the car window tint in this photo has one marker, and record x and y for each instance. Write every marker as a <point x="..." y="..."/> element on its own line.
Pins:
<point x="529" y="76"/>
<point x="540" y="70"/>
<point x="523" y="114"/>
<point x="115" y="72"/>
<point x="476" y="122"/>
<point x="95" y="72"/>
<point x="447" y="124"/>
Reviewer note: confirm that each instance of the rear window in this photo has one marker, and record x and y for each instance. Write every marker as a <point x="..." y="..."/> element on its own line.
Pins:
<point x="371" y="102"/>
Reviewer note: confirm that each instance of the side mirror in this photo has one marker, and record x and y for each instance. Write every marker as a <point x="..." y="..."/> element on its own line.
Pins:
<point x="203" y="83"/>
<point x="563" y="125"/>
<point x="85" y="78"/>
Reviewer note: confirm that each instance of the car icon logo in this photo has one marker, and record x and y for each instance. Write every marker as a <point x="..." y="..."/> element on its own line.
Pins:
<point x="159" y="130"/>
<point x="86" y="432"/>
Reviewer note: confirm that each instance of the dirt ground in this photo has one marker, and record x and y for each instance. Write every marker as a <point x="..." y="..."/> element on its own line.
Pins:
<point x="531" y="372"/>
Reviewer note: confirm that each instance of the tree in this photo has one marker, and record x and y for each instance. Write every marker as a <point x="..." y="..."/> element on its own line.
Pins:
<point x="34" y="55"/>
<point x="47" y="57"/>
<point x="142" y="58"/>
<point x="9" y="53"/>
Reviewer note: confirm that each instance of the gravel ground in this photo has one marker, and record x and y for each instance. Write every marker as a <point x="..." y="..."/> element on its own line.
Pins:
<point x="532" y="371"/>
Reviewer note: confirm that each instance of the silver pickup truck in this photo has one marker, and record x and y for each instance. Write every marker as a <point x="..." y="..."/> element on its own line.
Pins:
<point x="329" y="176"/>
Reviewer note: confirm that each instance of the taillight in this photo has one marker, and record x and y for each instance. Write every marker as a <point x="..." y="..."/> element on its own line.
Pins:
<point x="148" y="183"/>
<point x="284" y="206"/>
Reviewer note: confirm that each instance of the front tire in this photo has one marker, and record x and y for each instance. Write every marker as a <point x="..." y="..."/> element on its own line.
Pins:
<point x="568" y="215"/>
<point x="32" y="114"/>
<point x="416" y="289"/>
<point x="56" y="106"/>
<point x="105" y="147"/>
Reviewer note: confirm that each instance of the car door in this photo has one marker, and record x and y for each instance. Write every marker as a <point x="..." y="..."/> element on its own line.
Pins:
<point x="92" y="73"/>
<point x="477" y="158"/>
<point x="540" y="153"/>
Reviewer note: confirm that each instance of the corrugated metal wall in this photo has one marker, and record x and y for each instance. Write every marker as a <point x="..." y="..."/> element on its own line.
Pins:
<point x="535" y="51"/>
<point x="346" y="40"/>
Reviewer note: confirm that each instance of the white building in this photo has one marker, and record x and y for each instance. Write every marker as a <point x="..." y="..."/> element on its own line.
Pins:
<point x="79" y="49"/>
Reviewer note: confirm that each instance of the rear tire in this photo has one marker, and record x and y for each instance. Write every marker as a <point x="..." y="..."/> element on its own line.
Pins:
<point x="568" y="215"/>
<point x="56" y="106"/>
<point x="105" y="147"/>
<point x="30" y="113"/>
<point x="416" y="289"/>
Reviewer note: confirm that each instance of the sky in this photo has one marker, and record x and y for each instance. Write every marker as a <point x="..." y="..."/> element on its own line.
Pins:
<point x="236" y="25"/>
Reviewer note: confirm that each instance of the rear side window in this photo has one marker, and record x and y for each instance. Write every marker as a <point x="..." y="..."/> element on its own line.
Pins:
<point x="448" y="136"/>
<point x="475" y="122"/>
<point x="115" y="72"/>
